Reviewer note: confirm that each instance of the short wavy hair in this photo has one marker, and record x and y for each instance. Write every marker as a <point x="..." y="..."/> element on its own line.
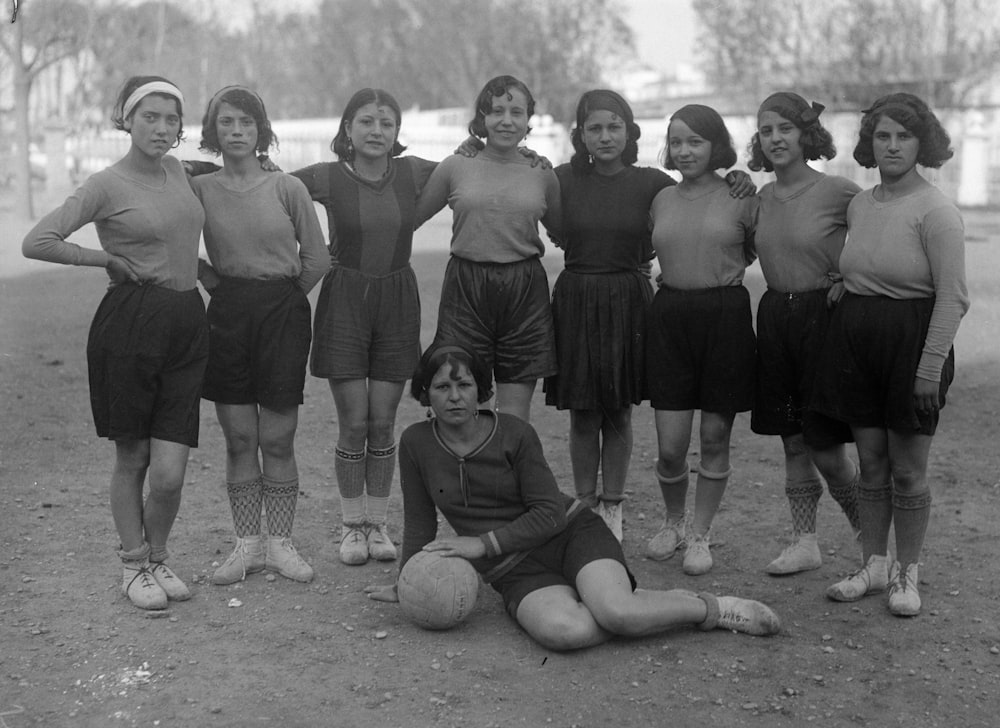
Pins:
<point x="249" y="103"/>
<point x="708" y="124"/>
<point x="498" y="86"/>
<point x="131" y="84"/>
<point x="341" y="142"/>
<point x="456" y="355"/>
<point x="590" y="101"/>
<point x="815" y="140"/>
<point x="913" y="114"/>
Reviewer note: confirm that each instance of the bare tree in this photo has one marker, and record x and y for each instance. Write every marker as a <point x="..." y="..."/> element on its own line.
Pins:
<point x="849" y="51"/>
<point x="45" y="32"/>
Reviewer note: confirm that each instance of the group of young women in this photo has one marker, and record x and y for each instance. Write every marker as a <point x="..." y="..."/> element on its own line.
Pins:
<point x="853" y="340"/>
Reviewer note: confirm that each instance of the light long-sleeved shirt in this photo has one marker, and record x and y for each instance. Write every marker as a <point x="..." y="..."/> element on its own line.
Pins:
<point x="265" y="232"/>
<point x="497" y="205"/>
<point x="156" y="229"/>
<point x="911" y="247"/>
<point x="799" y="237"/>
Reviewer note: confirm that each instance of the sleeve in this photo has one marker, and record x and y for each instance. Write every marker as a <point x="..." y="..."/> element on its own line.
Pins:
<point x="422" y="169"/>
<point x="434" y="195"/>
<point x="750" y="230"/>
<point x="313" y="255"/>
<point x="552" y="219"/>
<point x="545" y="514"/>
<point x="48" y="239"/>
<point x="943" y="238"/>
<point x="419" y="513"/>
<point x="314" y="177"/>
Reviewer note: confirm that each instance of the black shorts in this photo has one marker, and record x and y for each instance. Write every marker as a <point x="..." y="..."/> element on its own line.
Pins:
<point x="259" y="343"/>
<point x="701" y="350"/>
<point x="367" y="327"/>
<point x="791" y="332"/>
<point x="870" y="363"/>
<point x="502" y="311"/>
<point x="146" y="356"/>
<point x="585" y="539"/>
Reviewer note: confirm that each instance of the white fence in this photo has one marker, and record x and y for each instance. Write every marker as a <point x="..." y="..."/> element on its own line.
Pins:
<point x="972" y="177"/>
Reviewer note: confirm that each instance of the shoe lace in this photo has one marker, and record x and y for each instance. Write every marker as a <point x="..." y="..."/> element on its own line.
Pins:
<point x="145" y="577"/>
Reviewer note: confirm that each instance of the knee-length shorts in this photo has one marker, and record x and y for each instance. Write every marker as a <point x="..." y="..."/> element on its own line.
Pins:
<point x="146" y="356"/>
<point x="259" y="334"/>
<point x="701" y="350"/>
<point x="502" y="311"/>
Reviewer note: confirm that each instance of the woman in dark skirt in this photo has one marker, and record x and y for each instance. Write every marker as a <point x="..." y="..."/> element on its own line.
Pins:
<point x="888" y="359"/>
<point x="599" y="301"/>
<point x="148" y="342"/>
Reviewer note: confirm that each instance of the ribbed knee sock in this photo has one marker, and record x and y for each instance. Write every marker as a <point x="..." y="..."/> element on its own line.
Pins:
<point x="380" y="464"/>
<point x="847" y="498"/>
<point x="350" y="468"/>
<point x="875" y="504"/>
<point x="245" y="501"/>
<point x="280" y="498"/>
<point x="803" y="497"/>
<point x="910" y="514"/>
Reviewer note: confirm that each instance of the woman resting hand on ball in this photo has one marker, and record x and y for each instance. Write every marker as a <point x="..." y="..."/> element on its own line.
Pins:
<point x="560" y="570"/>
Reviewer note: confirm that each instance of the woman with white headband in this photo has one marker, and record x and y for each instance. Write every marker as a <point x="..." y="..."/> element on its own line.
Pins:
<point x="267" y="251"/>
<point x="148" y="342"/>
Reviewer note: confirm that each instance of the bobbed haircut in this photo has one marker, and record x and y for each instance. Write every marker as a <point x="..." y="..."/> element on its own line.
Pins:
<point x="816" y="141"/>
<point x="708" y="124"/>
<point x="341" y="143"/>
<point x="499" y="86"/>
<point x="913" y="114"/>
<point x="456" y="356"/>
<point x="249" y="103"/>
<point x="118" y="118"/>
<point x="596" y="100"/>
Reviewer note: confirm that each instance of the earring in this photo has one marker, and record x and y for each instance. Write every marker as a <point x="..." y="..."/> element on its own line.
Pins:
<point x="350" y="149"/>
<point x="430" y="415"/>
<point x="475" y="414"/>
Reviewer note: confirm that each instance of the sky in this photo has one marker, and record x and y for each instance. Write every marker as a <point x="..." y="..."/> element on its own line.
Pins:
<point x="664" y="31"/>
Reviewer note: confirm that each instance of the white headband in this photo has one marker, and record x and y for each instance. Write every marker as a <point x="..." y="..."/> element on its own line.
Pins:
<point x="153" y="87"/>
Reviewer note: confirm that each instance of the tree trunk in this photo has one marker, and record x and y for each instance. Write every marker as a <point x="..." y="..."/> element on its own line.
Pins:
<point x="22" y="91"/>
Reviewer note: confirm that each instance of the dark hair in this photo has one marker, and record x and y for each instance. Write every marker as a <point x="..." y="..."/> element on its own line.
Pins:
<point x="130" y="85"/>
<point x="593" y="101"/>
<point x="916" y="117"/>
<point x="249" y="103"/>
<point x="706" y="123"/>
<point x="341" y="145"/>
<point x="456" y="355"/>
<point x="499" y="86"/>
<point x="815" y="140"/>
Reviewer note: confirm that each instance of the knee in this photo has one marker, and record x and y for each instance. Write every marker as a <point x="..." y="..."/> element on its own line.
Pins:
<point x="381" y="432"/>
<point x="132" y="455"/>
<point x="561" y="632"/>
<point x="615" y="618"/>
<point x="240" y="442"/>
<point x="907" y="480"/>
<point x="353" y="434"/>
<point x="279" y="446"/>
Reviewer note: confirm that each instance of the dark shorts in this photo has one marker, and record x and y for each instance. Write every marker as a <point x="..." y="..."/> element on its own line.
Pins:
<point x="585" y="539"/>
<point x="146" y="356"/>
<point x="791" y="332"/>
<point x="367" y="327"/>
<point x="259" y="333"/>
<point x="701" y="350"/>
<point x="502" y="311"/>
<point x="870" y="363"/>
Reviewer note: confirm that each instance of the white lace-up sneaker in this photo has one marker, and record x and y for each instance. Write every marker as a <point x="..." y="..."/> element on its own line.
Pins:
<point x="283" y="558"/>
<point x="247" y="558"/>
<point x="802" y="555"/>
<point x="666" y="541"/>
<point x="904" y="599"/>
<point x="353" y="545"/>
<point x="141" y="588"/>
<point x="698" y="559"/>
<point x="169" y="582"/>
<point x="380" y="546"/>
<point x="869" y="579"/>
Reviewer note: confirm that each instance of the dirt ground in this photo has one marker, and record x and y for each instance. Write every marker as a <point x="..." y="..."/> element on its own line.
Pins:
<point x="75" y="653"/>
